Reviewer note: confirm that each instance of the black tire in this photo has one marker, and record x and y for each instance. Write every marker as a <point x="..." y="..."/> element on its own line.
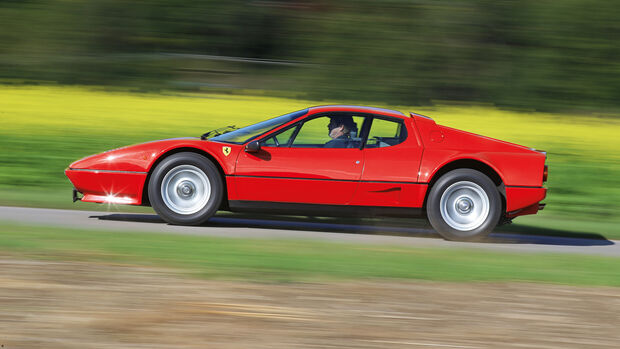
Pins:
<point x="466" y="215"/>
<point x="182" y="199"/>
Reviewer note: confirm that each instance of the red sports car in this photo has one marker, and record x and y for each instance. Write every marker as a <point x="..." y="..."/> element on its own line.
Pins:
<point x="326" y="160"/>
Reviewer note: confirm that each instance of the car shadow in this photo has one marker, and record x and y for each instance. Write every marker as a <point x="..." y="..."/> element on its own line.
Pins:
<point x="547" y="236"/>
<point x="512" y="234"/>
<point x="130" y="217"/>
<point x="305" y="223"/>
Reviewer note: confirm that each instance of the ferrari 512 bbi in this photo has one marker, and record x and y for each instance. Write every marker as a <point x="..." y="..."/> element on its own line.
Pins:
<point x="326" y="161"/>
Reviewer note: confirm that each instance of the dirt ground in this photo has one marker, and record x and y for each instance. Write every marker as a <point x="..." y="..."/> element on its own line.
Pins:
<point x="94" y="305"/>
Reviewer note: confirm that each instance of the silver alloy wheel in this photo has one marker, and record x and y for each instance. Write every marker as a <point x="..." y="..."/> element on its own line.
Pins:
<point x="185" y="189"/>
<point x="464" y="206"/>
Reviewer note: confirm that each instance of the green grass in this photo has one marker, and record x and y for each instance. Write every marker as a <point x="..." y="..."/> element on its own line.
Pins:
<point x="59" y="198"/>
<point x="44" y="128"/>
<point x="288" y="260"/>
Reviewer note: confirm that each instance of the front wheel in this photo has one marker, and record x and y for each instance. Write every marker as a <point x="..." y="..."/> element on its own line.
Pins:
<point x="464" y="205"/>
<point x="186" y="189"/>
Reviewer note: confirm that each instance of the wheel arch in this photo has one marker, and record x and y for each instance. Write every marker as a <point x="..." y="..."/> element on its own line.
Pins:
<point x="473" y="164"/>
<point x="145" y="194"/>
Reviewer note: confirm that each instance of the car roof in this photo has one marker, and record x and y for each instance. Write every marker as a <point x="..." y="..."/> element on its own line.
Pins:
<point x="355" y="108"/>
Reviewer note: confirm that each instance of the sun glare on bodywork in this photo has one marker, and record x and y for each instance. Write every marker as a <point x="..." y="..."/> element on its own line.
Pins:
<point x="113" y="199"/>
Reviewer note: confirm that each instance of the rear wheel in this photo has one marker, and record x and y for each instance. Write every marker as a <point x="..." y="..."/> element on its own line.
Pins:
<point x="185" y="188"/>
<point x="464" y="205"/>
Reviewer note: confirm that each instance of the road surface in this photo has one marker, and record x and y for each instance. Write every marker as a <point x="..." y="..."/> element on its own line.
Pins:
<point x="266" y="227"/>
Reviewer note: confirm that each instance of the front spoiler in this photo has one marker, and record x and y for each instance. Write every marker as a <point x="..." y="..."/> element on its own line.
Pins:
<point x="115" y="187"/>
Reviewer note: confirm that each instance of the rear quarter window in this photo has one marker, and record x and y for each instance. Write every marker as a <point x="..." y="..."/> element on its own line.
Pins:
<point x="386" y="133"/>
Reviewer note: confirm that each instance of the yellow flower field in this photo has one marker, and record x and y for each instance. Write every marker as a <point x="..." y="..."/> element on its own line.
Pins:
<point x="44" y="128"/>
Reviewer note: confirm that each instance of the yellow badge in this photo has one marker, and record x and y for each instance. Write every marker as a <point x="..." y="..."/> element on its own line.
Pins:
<point x="226" y="150"/>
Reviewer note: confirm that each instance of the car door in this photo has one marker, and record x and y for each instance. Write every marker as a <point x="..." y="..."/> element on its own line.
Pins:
<point x="294" y="166"/>
<point x="392" y="158"/>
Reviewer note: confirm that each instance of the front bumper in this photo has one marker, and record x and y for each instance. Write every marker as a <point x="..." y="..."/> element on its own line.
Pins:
<point x="118" y="187"/>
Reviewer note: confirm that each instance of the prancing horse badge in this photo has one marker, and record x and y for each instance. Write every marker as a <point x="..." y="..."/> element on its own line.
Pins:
<point x="226" y="150"/>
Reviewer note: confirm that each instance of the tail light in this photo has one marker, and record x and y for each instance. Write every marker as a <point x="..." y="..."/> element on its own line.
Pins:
<point x="545" y="173"/>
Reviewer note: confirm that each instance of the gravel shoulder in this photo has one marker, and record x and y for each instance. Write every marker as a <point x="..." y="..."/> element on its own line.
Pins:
<point x="95" y="305"/>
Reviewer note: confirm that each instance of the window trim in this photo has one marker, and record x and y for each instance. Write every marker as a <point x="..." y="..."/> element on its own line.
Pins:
<point x="401" y="122"/>
<point x="364" y="131"/>
<point x="299" y="125"/>
<point x="280" y="131"/>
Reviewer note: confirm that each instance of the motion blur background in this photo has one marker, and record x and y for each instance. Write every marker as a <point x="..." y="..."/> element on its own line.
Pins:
<point x="543" y="55"/>
<point x="80" y="77"/>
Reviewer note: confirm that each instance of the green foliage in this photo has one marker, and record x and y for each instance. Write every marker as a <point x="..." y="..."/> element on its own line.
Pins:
<point x="546" y="55"/>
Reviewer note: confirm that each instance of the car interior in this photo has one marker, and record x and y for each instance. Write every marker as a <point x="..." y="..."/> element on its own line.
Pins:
<point x="383" y="132"/>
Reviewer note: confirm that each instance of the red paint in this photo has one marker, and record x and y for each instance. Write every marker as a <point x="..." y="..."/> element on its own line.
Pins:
<point x="293" y="190"/>
<point x="99" y="186"/>
<point x="517" y="198"/>
<point x="398" y="163"/>
<point x="390" y="194"/>
<point x="391" y="176"/>
<point x="141" y="157"/>
<point x="436" y="136"/>
<point x="532" y="209"/>
<point x="306" y="175"/>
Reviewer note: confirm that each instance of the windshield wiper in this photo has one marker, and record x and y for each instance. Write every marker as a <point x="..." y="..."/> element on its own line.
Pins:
<point x="218" y="131"/>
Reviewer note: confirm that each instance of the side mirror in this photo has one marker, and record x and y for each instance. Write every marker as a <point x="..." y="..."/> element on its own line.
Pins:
<point x="252" y="147"/>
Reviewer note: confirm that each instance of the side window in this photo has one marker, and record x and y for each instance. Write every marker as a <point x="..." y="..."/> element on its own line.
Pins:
<point x="281" y="139"/>
<point x="313" y="133"/>
<point x="386" y="133"/>
<point x="330" y="131"/>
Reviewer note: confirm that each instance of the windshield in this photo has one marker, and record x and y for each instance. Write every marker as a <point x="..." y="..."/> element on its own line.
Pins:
<point x="248" y="133"/>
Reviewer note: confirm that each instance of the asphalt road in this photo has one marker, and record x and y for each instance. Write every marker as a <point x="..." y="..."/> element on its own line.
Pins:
<point x="387" y="232"/>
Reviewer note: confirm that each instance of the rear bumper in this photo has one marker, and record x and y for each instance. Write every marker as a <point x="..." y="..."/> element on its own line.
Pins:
<point x="107" y="186"/>
<point x="532" y="209"/>
<point x="522" y="201"/>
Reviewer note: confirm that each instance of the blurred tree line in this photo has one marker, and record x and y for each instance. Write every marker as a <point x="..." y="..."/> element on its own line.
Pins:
<point x="539" y="54"/>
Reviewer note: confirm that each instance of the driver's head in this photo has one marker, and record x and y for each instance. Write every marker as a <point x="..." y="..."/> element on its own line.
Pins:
<point x="340" y="125"/>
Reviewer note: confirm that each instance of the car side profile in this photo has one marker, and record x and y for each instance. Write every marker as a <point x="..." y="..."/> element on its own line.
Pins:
<point x="326" y="160"/>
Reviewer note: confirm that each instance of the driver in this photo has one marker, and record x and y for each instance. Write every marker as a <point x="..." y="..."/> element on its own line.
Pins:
<point x="340" y="128"/>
